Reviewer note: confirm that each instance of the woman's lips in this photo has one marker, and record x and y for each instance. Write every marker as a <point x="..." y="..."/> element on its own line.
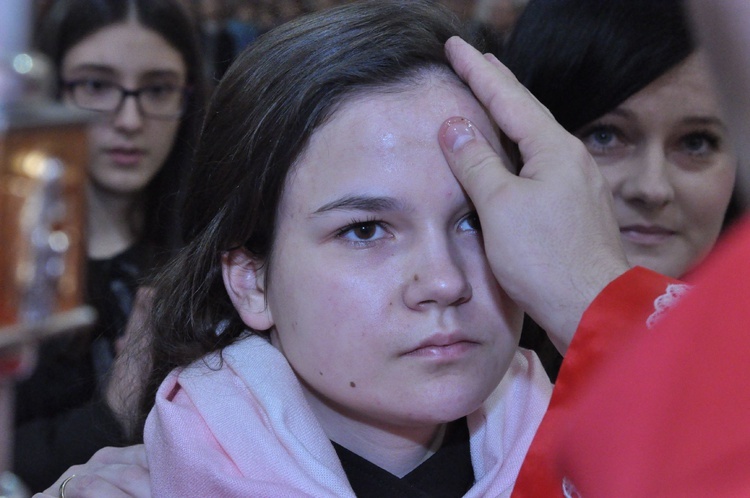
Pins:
<point x="646" y="235"/>
<point x="125" y="157"/>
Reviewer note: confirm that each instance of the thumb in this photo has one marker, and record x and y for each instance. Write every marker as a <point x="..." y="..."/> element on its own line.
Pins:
<point x="480" y="169"/>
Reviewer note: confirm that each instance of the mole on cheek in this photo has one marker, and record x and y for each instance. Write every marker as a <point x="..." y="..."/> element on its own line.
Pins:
<point x="416" y="277"/>
<point x="352" y="384"/>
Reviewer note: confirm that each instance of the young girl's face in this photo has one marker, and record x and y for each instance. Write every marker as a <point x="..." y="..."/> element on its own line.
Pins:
<point x="380" y="295"/>
<point x="666" y="155"/>
<point x="127" y="147"/>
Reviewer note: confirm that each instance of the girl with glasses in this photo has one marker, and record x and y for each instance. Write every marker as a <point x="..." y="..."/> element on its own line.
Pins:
<point x="136" y="65"/>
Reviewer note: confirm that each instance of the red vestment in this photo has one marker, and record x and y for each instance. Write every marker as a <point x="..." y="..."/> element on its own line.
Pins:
<point x="661" y="411"/>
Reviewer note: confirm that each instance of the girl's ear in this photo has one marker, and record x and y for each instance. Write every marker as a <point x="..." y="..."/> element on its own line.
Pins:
<point x="244" y="280"/>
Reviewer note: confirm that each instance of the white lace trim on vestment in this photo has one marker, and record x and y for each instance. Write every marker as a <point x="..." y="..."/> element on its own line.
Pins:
<point x="666" y="302"/>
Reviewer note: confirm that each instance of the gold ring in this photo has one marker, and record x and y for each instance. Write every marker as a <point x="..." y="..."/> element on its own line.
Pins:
<point x="64" y="483"/>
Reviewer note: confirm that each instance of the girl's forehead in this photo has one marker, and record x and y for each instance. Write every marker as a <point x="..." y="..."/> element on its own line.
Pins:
<point x="127" y="47"/>
<point x="383" y="144"/>
<point x="404" y="112"/>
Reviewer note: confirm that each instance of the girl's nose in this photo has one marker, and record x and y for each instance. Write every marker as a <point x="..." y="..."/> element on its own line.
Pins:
<point x="437" y="278"/>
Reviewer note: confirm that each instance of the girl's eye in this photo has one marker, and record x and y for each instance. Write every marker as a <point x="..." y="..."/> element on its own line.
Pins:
<point x="160" y="91"/>
<point x="363" y="231"/>
<point x="471" y="223"/>
<point x="93" y="86"/>
<point x="699" y="143"/>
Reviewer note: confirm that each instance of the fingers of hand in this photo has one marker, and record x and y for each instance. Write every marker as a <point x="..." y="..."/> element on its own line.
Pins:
<point x="518" y="113"/>
<point x="111" y="470"/>
<point x="133" y="455"/>
<point x="477" y="166"/>
<point x="104" y="481"/>
<point x="495" y="62"/>
<point x="88" y="486"/>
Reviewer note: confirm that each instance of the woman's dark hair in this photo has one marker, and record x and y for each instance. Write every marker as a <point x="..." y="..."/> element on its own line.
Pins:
<point x="260" y="119"/>
<point x="583" y="58"/>
<point x="68" y="22"/>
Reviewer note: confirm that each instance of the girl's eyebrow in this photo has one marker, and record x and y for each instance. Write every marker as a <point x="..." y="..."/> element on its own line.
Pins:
<point x="104" y="69"/>
<point x="362" y="203"/>
<point x="99" y="68"/>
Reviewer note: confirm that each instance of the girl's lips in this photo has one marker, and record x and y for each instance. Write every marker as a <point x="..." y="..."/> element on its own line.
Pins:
<point x="125" y="157"/>
<point x="646" y="235"/>
<point x="444" y="347"/>
<point x="445" y="352"/>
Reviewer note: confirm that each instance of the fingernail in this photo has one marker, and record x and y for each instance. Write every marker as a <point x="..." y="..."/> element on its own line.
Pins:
<point x="458" y="132"/>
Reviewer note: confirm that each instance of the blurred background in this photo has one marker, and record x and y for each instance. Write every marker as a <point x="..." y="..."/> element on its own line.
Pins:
<point x="228" y="26"/>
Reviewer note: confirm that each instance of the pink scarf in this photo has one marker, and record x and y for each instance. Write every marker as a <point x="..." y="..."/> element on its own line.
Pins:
<point x="245" y="429"/>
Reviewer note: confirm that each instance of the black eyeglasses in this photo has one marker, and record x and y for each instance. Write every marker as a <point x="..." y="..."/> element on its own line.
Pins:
<point x="160" y="101"/>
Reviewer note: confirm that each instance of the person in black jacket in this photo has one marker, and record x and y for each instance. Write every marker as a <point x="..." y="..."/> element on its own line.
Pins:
<point x="105" y="52"/>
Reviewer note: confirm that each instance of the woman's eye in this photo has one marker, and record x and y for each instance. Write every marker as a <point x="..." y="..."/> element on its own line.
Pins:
<point x="601" y="138"/>
<point x="363" y="231"/>
<point x="699" y="144"/>
<point x="471" y="223"/>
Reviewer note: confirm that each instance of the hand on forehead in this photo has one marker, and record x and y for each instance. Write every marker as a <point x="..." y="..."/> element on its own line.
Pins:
<point x="539" y="228"/>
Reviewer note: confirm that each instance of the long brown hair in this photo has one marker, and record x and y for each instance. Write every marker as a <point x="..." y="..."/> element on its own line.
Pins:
<point x="260" y="119"/>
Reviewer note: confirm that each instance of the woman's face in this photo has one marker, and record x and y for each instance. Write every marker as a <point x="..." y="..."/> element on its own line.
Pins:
<point x="666" y="156"/>
<point x="380" y="294"/>
<point x="126" y="148"/>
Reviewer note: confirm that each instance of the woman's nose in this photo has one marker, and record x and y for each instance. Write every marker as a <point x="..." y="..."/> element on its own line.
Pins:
<point x="648" y="182"/>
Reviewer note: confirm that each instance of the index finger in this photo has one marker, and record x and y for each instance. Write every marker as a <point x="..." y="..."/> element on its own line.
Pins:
<point x="518" y="113"/>
<point x="133" y="455"/>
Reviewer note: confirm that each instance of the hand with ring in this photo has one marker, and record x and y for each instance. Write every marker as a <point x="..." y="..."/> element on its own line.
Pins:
<point x="64" y="483"/>
<point x="110" y="473"/>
